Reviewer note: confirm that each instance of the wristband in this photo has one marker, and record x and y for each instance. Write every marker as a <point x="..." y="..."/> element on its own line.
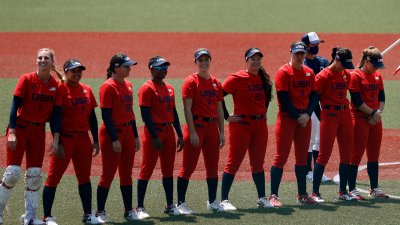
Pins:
<point x="373" y="112"/>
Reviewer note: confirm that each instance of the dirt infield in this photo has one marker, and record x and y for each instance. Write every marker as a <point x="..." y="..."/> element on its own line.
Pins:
<point x="17" y="50"/>
<point x="389" y="153"/>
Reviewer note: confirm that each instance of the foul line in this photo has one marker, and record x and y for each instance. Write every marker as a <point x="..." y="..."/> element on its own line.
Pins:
<point x="336" y="178"/>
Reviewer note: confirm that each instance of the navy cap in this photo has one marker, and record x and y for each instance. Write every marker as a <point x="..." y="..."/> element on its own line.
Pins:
<point x="377" y="62"/>
<point x="311" y="38"/>
<point x="298" y="47"/>
<point x="200" y="52"/>
<point x="346" y="58"/>
<point x="158" y="61"/>
<point x="72" y="64"/>
<point x="252" y="51"/>
<point x="121" y="60"/>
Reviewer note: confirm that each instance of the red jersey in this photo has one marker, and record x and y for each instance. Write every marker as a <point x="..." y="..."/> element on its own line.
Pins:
<point x="205" y="94"/>
<point x="368" y="85"/>
<point x="77" y="104"/>
<point x="247" y="91"/>
<point x="119" y="98"/>
<point x="37" y="97"/>
<point x="160" y="98"/>
<point x="332" y="87"/>
<point x="298" y="83"/>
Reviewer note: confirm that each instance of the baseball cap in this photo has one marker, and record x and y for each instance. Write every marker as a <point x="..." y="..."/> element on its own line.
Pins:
<point x="121" y="60"/>
<point x="345" y="57"/>
<point x="200" y="52"/>
<point x="158" y="61"/>
<point x="311" y="38"/>
<point x="252" y="51"/>
<point x="298" y="47"/>
<point x="72" y="64"/>
<point x="376" y="61"/>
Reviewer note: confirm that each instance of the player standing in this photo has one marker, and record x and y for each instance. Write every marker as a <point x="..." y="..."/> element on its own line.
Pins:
<point x="316" y="63"/>
<point x="157" y="106"/>
<point x="202" y="100"/>
<point x="32" y="104"/>
<point x="332" y="86"/>
<point x="297" y="99"/>
<point x="367" y="104"/>
<point x="248" y="132"/>
<point x="118" y="135"/>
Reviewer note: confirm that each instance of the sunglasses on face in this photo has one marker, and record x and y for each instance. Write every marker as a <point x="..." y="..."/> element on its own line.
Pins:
<point x="160" y="68"/>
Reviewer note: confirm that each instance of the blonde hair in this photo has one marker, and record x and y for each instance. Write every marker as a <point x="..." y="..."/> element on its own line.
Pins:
<point x="49" y="50"/>
<point x="371" y="51"/>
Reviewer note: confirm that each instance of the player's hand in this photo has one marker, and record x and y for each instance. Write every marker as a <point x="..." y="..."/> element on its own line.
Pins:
<point x="95" y="147"/>
<point x="234" y="118"/>
<point x="12" y="139"/>
<point x="377" y="117"/>
<point x="137" y="144"/>
<point x="57" y="150"/>
<point x="157" y="143"/>
<point x="179" y="144"/>
<point x="194" y="139"/>
<point x="372" y="121"/>
<point x="116" y="146"/>
<point x="303" y="119"/>
<point x="221" y="141"/>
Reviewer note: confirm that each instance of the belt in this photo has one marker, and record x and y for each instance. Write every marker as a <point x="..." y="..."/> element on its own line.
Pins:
<point x="30" y="122"/>
<point x="163" y="124"/>
<point x="130" y="123"/>
<point x="335" y="107"/>
<point x="205" y="119"/>
<point x="300" y="111"/>
<point x="253" y="117"/>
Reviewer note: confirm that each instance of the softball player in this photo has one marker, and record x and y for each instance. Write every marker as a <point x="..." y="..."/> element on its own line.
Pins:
<point x="367" y="104"/>
<point x="118" y="135"/>
<point x="157" y="106"/>
<point x="77" y="117"/>
<point x="202" y="100"/>
<point x="332" y="85"/>
<point x="297" y="98"/>
<point x="316" y="63"/>
<point x="32" y="104"/>
<point x="251" y="90"/>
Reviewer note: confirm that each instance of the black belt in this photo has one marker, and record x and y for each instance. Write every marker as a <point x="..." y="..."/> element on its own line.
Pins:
<point x="335" y="107"/>
<point x="30" y="122"/>
<point x="205" y="119"/>
<point x="163" y="124"/>
<point x="299" y="111"/>
<point x="130" y="123"/>
<point x="253" y="117"/>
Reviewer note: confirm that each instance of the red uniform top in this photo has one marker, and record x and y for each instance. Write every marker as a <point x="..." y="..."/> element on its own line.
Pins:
<point x="332" y="87"/>
<point x="118" y="97"/>
<point x="77" y="104"/>
<point x="205" y="94"/>
<point x="37" y="97"/>
<point x="248" y="93"/>
<point x="298" y="83"/>
<point x="160" y="98"/>
<point x="368" y="85"/>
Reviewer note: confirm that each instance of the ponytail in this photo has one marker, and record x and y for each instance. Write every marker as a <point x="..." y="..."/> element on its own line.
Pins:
<point x="334" y="53"/>
<point x="267" y="85"/>
<point x="109" y="72"/>
<point x="371" y="51"/>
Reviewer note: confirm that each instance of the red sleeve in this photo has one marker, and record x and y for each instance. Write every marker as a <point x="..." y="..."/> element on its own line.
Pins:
<point x="92" y="98"/>
<point x="146" y="94"/>
<point x="220" y="95"/>
<point x="381" y="86"/>
<point x="106" y="96"/>
<point x="188" y="88"/>
<point x="229" y="84"/>
<point x="354" y="82"/>
<point x="313" y="83"/>
<point x="320" y="81"/>
<point x="281" y="81"/>
<point x="59" y="95"/>
<point x="21" y="87"/>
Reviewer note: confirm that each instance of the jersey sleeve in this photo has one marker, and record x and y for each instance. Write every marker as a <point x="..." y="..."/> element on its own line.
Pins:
<point x="281" y="81"/>
<point x="59" y="96"/>
<point x="146" y="94"/>
<point x="220" y="94"/>
<point x="381" y="86"/>
<point x="313" y="83"/>
<point x="21" y="87"/>
<point x="229" y="85"/>
<point x="354" y="82"/>
<point x="188" y="88"/>
<point x="320" y="81"/>
<point x="92" y="98"/>
<point x="106" y="96"/>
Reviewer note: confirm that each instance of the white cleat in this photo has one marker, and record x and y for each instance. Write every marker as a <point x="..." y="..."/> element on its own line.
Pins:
<point x="34" y="221"/>
<point x="141" y="213"/>
<point x="309" y="176"/>
<point x="50" y="221"/>
<point x="172" y="210"/>
<point x="325" y="179"/>
<point x="214" y="206"/>
<point x="102" y="217"/>
<point x="90" y="219"/>
<point x="227" y="206"/>
<point x="184" y="209"/>
<point x="131" y="215"/>
<point x="317" y="197"/>
<point x="264" y="203"/>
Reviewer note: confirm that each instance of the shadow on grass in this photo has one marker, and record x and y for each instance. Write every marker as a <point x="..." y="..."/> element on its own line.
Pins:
<point x="282" y="211"/>
<point x="180" y="218"/>
<point x="327" y="207"/>
<point x="368" y="203"/>
<point x="142" y="222"/>
<point x="235" y="215"/>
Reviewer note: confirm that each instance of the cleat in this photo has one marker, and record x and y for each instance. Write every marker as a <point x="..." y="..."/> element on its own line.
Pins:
<point x="50" y="220"/>
<point x="141" y="213"/>
<point x="102" y="217"/>
<point x="346" y="196"/>
<point x="317" y="197"/>
<point x="131" y="215"/>
<point x="377" y="193"/>
<point x="274" y="200"/>
<point x="90" y="219"/>
<point x="356" y="195"/>
<point x="305" y="199"/>
<point x="264" y="203"/>
<point x="171" y="210"/>
<point x="309" y="176"/>
<point x="214" y="206"/>
<point x="226" y="206"/>
<point x="184" y="209"/>
<point x="325" y="179"/>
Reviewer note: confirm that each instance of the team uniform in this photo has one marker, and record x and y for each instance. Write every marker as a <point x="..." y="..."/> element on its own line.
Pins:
<point x="36" y="104"/>
<point x="205" y="95"/>
<point x="77" y="105"/>
<point x="296" y="91"/>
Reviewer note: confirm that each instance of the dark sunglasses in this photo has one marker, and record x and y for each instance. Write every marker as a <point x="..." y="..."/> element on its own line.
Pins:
<point x="160" y="68"/>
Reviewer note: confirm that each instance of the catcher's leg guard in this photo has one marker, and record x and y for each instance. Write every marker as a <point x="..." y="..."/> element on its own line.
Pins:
<point x="33" y="182"/>
<point x="10" y="179"/>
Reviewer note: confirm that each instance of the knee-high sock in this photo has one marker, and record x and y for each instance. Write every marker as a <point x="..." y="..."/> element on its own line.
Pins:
<point x="48" y="196"/>
<point x="85" y="193"/>
<point x="344" y="176"/>
<point x="317" y="176"/>
<point x="102" y="194"/>
<point x="212" y="185"/>
<point x="227" y="180"/>
<point x="141" y="191"/>
<point x="353" y="177"/>
<point x="168" y="184"/>
<point x="276" y="177"/>
<point x="373" y="171"/>
<point x="315" y="154"/>
<point x="309" y="161"/>
<point x="301" y="173"/>
<point x="182" y="185"/>
<point x="126" y="192"/>
<point x="259" y="181"/>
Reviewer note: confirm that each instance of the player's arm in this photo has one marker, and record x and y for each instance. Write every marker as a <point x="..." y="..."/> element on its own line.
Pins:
<point x="225" y="110"/>
<point x="12" y="139"/>
<point x="55" y="127"/>
<point x="136" y="135"/>
<point x="107" y="120"/>
<point x="94" y="127"/>
<point x="187" y="107"/>
<point x="220" y="113"/>
<point x="287" y="105"/>
<point x="177" y="126"/>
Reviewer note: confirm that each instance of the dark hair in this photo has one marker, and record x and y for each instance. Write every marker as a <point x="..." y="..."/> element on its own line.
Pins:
<point x="114" y="59"/>
<point x="267" y="85"/>
<point x="370" y="51"/>
<point x="339" y="51"/>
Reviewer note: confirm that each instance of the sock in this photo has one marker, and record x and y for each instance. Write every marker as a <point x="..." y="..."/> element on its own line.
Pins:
<point x="227" y="180"/>
<point x="373" y="171"/>
<point x="48" y="196"/>
<point x="276" y="177"/>
<point x="301" y="173"/>
<point x="126" y="192"/>
<point x="315" y="154"/>
<point x="141" y="191"/>
<point x="85" y="192"/>
<point x="309" y="160"/>
<point x="317" y="176"/>
<point x="182" y="185"/>
<point x="212" y="185"/>
<point x="353" y="177"/>
<point x="102" y="194"/>
<point x="344" y="176"/>
<point x="259" y="181"/>
<point x="168" y="184"/>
